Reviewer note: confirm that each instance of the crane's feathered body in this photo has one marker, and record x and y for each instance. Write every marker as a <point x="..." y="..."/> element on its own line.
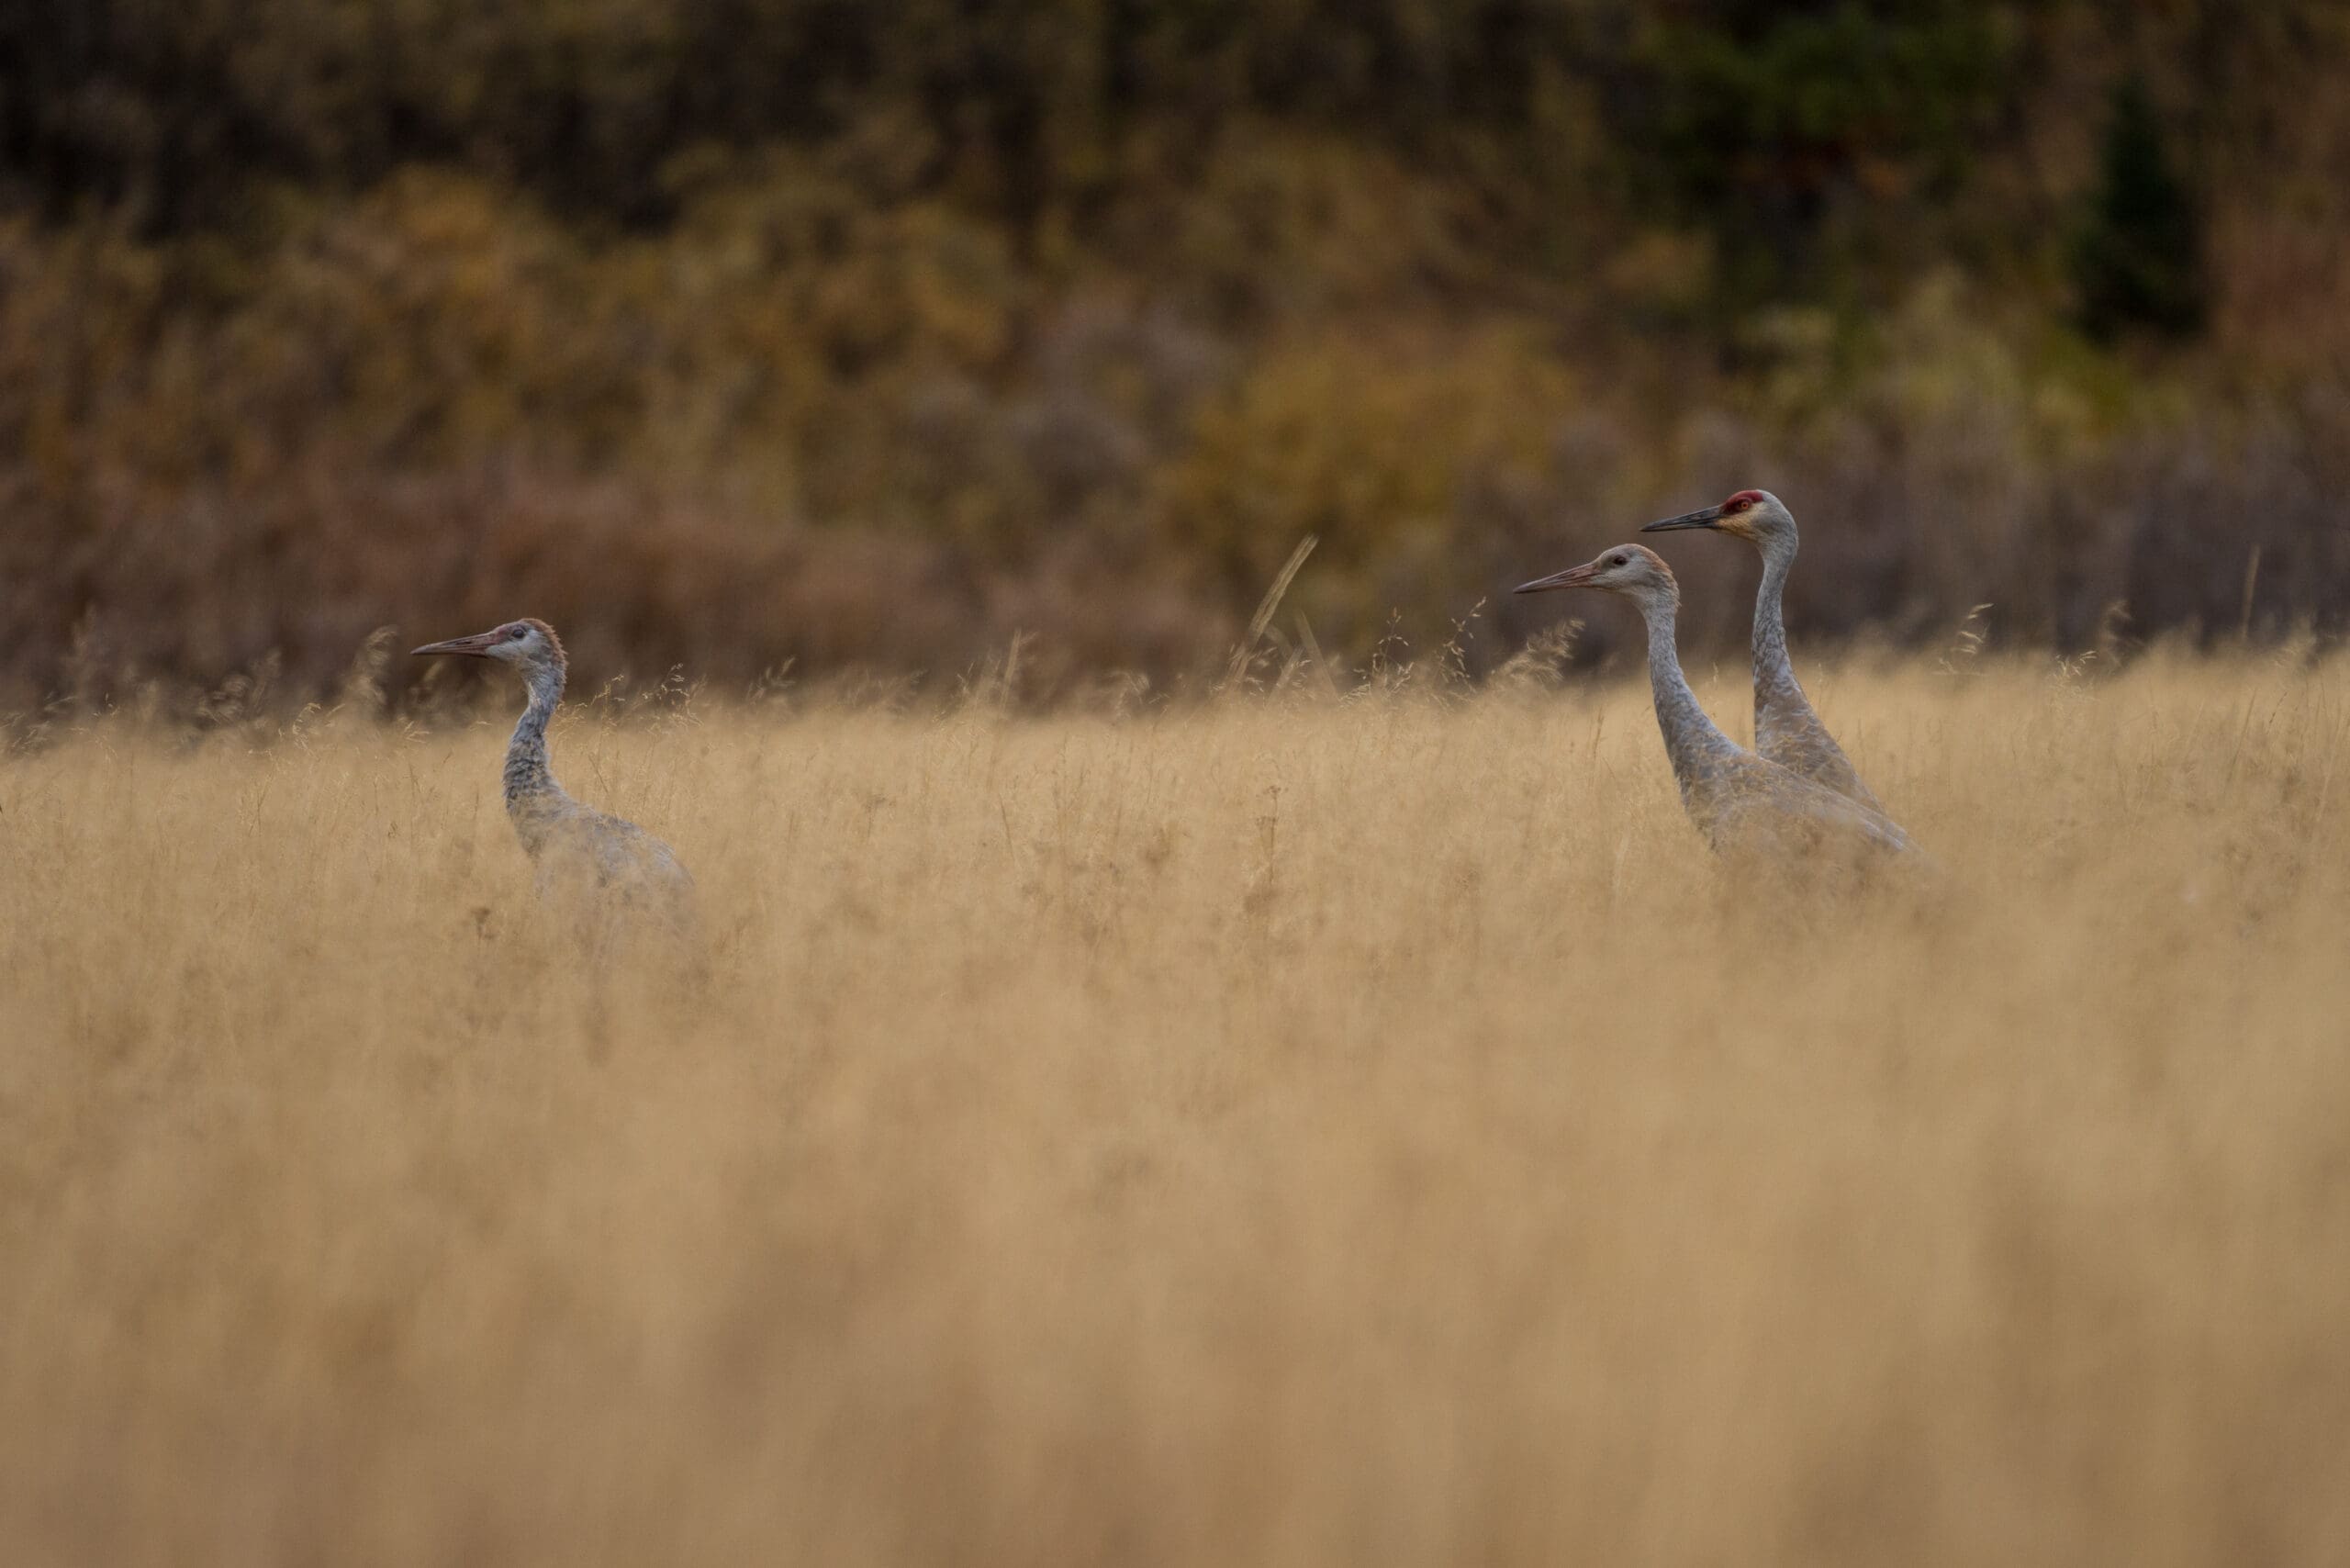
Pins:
<point x="1739" y="800"/>
<point x="1787" y="730"/>
<point x="592" y="858"/>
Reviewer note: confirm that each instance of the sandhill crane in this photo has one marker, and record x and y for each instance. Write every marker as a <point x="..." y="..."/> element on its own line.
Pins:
<point x="580" y="853"/>
<point x="1738" y="800"/>
<point x="1786" y="730"/>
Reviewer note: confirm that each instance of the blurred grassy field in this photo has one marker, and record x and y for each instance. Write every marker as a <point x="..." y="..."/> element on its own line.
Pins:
<point x="1280" y="1131"/>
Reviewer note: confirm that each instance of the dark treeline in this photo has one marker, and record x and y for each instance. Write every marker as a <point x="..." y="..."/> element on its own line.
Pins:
<point x="1735" y="111"/>
<point x="1082" y="311"/>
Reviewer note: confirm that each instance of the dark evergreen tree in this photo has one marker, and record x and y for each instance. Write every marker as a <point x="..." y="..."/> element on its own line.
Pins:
<point x="2138" y="257"/>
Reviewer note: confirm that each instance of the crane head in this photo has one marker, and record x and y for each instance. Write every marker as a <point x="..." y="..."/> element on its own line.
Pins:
<point x="525" y="642"/>
<point x="1755" y="516"/>
<point x="1633" y="570"/>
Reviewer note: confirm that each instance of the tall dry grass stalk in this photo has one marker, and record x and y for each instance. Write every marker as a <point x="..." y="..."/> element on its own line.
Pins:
<point x="1278" y="1133"/>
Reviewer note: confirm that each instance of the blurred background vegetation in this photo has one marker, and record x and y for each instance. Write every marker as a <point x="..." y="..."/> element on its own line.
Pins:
<point x="820" y="335"/>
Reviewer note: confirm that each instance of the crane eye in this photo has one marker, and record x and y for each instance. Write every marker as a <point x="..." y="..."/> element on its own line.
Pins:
<point x="519" y="632"/>
<point x="1615" y="560"/>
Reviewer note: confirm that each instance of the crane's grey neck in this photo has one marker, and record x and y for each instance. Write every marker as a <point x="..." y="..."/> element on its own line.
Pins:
<point x="1691" y="739"/>
<point x="1775" y="674"/>
<point x="530" y="782"/>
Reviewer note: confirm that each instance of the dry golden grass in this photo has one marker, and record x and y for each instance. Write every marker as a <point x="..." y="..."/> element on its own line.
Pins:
<point x="1274" y="1133"/>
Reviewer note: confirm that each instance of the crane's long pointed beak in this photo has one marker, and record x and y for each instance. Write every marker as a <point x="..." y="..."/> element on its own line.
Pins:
<point x="1711" y="517"/>
<point x="476" y="647"/>
<point x="1574" y="576"/>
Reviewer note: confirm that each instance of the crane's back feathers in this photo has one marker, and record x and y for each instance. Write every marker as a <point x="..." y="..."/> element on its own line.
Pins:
<point x="1737" y="799"/>
<point x="607" y="867"/>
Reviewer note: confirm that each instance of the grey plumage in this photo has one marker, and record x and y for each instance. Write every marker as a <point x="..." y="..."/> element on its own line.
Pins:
<point x="1737" y="799"/>
<point x="1787" y="730"/>
<point x="601" y="866"/>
